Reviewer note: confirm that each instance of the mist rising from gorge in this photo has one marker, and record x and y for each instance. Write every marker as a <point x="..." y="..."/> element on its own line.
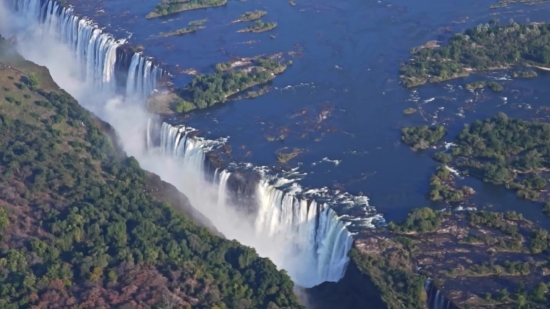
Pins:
<point x="130" y="119"/>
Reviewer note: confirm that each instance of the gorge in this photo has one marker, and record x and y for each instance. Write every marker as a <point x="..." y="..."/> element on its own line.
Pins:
<point x="322" y="236"/>
<point x="291" y="226"/>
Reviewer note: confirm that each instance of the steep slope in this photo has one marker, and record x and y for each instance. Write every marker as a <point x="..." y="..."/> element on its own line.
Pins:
<point x="83" y="226"/>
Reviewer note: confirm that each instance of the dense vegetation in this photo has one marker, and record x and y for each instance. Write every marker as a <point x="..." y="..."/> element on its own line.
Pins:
<point x="442" y="187"/>
<point x="167" y="7"/>
<point x="250" y="16"/>
<point x="210" y="89"/>
<point x="519" y="235"/>
<point x="419" y="220"/>
<point x="482" y="48"/>
<point x="491" y="244"/>
<point x="422" y="137"/>
<point x="506" y="151"/>
<point x="84" y="226"/>
<point x="399" y="286"/>
<point x="259" y="26"/>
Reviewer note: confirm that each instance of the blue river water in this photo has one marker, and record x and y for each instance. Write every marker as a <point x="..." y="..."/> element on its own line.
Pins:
<point x="345" y="65"/>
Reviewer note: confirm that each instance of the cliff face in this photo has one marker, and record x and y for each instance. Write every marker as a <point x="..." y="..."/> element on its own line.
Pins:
<point x="355" y="290"/>
<point x="83" y="226"/>
<point x="380" y="275"/>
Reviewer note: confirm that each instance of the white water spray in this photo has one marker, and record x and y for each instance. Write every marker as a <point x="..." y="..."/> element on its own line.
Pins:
<point x="316" y="242"/>
<point x="306" y="238"/>
<point x="95" y="51"/>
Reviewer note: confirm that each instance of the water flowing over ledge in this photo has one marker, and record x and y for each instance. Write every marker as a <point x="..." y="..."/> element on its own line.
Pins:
<point x="307" y="232"/>
<point x="105" y="62"/>
<point x="436" y="299"/>
<point x="306" y="221"/>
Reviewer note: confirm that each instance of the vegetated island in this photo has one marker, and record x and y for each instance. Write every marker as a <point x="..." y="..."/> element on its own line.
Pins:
<point x="193" y="26"/>
<point x="422" y="137"/>
<point x="259" y="26"/>
<point x="482" y="48"/>
<point x="230" y="78"/>
<point x="82" y="225"/>
<point x="443" y="187"/>
<point x="167" y="7"/>
<point x="506" y="151"/>
<point x="494" y="86"/>
<point x="250" y="16"/>
<point x="474" y="259"/>
<point x="502" y="151"/>
<point x="183" y="31"/>
<point x="198" y="22"/>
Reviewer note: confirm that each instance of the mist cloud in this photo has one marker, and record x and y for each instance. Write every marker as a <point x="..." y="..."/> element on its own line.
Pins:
<point x="130" y="119"/>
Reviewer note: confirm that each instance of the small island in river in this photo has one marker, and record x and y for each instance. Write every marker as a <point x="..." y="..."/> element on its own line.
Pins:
<point x="504" y="151"/>
<point x="494" y="86"/>
<point x="193" y="26"/>
<point x="482" y="48"/>
<point x="259" y="26"/>
<point x="229" y="79"/>
<point x="183" y="31"/>
<point x="167" y="7"/>
<point x="422" y="137"/>
<point x="250" y="16"/>
<point x="499" y="150"/>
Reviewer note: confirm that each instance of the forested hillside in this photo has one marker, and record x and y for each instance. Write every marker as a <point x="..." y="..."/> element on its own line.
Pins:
<point x="83" y="226"/>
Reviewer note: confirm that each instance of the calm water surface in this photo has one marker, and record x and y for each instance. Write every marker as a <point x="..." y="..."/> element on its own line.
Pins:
<point x="350" y="56"/>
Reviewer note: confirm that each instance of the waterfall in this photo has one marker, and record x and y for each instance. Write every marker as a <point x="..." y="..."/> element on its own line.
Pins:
<point x="314" y="236"/>
<point x="303" y="235"/>
<point x="94" y="49"/>
<point x="436" y="299"/>
<point x="222" y="185"/>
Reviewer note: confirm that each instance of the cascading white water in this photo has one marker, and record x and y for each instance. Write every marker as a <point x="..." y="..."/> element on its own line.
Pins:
<point x="131" y="81"/>
<point x="95" y="50"/>
<point x="313" y="240"/>
<point x="142" y="77"/>
<point x="314" y="230"/>
<point x="436" y="299"/>
<point x="316" y="241"/>
<point x="222" y="187"/>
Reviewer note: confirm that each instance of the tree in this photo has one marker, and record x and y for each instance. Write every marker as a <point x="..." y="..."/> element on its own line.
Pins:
<point x="540" y="291"/>
<point x="32" y="80"/>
